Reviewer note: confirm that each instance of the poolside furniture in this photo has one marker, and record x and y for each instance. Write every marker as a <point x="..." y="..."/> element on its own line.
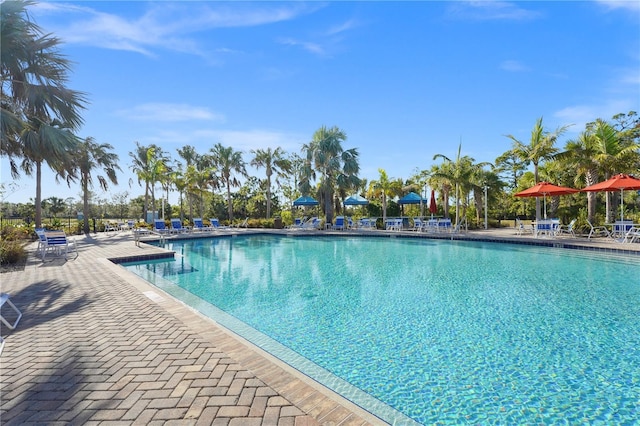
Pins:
<point x="111" y="227"/>
<point x="198" y="225"/>
<point x="444" y="225"/>
<point x="349" y="223"/>
<point x="393" y="224"/>
<point x="298" y="222"/>
<point x="58" y="243"/>
<point x="522" y="229"/>
<point x="567" y="229"/>
<point x="243" y="224"/>
<point x="177" y="228"/>
<point x="620" y="228"/>
<point x="598" y="231"/>
<point x="418" y="224"/>
<point x="5" y="299"/>
<point x="215" y="224"/>
<point x="339" y="225"/>
<point x="632" y="235"/>
<point x="160" y="227"/>
<point x="543" y="227"/>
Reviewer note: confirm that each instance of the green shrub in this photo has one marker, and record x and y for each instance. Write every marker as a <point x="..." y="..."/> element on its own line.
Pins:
<point x="11" y="251"/>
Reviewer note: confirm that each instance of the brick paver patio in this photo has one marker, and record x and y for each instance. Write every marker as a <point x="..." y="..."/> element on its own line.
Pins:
<point x="97" y="345"/>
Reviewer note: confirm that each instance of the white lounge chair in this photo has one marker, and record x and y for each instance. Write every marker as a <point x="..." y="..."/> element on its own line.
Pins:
<point x="5" y="299"/>
<point x="567" y="229"/>
<point x="522" y="229"/>
<point x="243" y="224"/>
<point x="57" y="242"/>
<point x="598" y="231"/>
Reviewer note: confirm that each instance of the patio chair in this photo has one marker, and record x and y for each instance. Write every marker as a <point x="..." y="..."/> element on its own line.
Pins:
<point x="243" y="224"/>
<point x="160" y="227"/>
<point x="215" y="224"/>
<point x="57" y="242"/>
<point x="567" y="229"/>
<point x="339" y="225"/>
<point x="298" y="222"/>
<point x="632" y="235"/>
<point x="522" y="229"/>
<point x="418" y="224"/>
<point x="198" y="225"/>
<point x="5" y="299"/>
<point x="177" y="228"/>
<point x="444" y="225"/>
<point x="598" y="231"/>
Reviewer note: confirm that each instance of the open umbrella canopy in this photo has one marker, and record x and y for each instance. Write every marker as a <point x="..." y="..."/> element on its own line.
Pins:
<point x="411" y="198"/>
<point x="305" y="200"/>
<point x="619" y="181"/>
<point x="543" y="189"/>
<point x="356" y="200"/>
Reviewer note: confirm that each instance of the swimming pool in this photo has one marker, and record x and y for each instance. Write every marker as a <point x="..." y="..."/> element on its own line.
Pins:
<point x="441" y="331"/>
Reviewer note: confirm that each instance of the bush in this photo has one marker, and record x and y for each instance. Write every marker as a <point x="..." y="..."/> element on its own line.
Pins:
<point x="11" y="252"/>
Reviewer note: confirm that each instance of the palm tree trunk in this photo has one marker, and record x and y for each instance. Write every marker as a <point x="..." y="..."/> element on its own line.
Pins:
<point x="38" y="206"/>
<point x="85" y="205"/>
<point x="590" y="179"/>
<point x="268" y="196"/>
<point x="230" y="207"/>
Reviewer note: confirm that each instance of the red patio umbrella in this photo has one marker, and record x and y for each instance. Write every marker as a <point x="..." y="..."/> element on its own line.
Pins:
<point x="543" y="189"/>
<point x="619" y="181"/>
<point x="433" y="207"/>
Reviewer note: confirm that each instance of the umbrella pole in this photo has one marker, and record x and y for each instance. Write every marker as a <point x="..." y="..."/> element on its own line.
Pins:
<point x="622" y="205"/>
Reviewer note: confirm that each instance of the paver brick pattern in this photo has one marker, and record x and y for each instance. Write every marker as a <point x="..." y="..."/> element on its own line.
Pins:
<point x="93" y="349"/>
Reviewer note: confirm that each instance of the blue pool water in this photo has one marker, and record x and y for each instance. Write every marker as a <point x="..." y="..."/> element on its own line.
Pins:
<point x="441" y="331"/>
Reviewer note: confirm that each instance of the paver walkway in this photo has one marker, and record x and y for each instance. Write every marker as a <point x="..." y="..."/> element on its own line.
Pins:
<point x="98" y="346"/>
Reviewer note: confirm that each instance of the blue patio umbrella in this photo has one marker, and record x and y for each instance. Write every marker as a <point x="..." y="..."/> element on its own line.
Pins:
<point x="305" y="200"/>
<point x="411" y="198"/>
<point x="356" y="200"/>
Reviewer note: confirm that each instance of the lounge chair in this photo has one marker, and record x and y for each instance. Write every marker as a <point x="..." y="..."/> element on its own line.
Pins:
<point x="298" y="222"/>
<point x="444" y="225"/>
<point x="521" y="228"/>
<point x="243" y="224"/>
<point x="418" y="224"/>
<point x="160" y="227"/>
<point x="598" y="231"/>
<point x="567" y="229"/>
<point x="198" y="225"/>
<point x="177" y="228"/>
<point x="312" y="223"/>
<point x="5" y="299"/>
<point x="339" y="225"/>
<point x="215" y="224"/>
<point x="632" y="235"/>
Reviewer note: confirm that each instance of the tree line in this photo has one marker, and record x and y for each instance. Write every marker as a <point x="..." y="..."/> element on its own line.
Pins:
<point x="40" y="116"/>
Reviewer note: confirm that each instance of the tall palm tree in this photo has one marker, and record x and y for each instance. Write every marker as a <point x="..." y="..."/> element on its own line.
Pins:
<point x="228" y="161"/>
<point x="384" y="187"/>
<point x="459" y="173"/>
<point x="139" y="165"/>
<point x="541" y="147"/>
<point x="91" y="157"/>
<point x="52" y="144"/>
<point x="326" y="159"/>
<point x="272" y="161"/>
<point x="36" y="108"/>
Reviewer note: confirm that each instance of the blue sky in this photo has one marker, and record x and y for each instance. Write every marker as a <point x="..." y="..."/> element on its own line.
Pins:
<point x="404" y="80"/>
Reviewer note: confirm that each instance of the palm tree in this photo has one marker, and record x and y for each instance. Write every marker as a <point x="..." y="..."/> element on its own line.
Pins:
<point x="541" y="147"/>
<point x="90" y="157"/>
<point x="272" y="161"/>
<point x="228" y="161"/>
<point x="325" y="156"/>
<point x="45" y="143"/>
<point x="384" y="187"/>
<point x="140" y="167"/>
<point x="37" y="111"/>
<point x="459" y="173"/>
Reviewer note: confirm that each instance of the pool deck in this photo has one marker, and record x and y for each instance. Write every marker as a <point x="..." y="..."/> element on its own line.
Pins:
<point x="98" y="345"/>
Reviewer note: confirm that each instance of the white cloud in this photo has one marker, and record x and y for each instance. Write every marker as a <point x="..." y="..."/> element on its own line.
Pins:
<point x="633" y="5"/>
<point x="163" y="25"/>
<point x="513" y="66"/>
<point x="490" y="10"/>
<point x="169" y="112"/>
<point x="314" y="48"/>
<point x="580" y="115"/>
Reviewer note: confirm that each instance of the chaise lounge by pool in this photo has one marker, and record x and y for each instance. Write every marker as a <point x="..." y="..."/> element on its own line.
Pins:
<point x="429" y="331"/>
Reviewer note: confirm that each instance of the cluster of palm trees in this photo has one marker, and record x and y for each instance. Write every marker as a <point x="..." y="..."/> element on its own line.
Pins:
<point x="39" y="113"/>
<point x="39" y="116"/>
